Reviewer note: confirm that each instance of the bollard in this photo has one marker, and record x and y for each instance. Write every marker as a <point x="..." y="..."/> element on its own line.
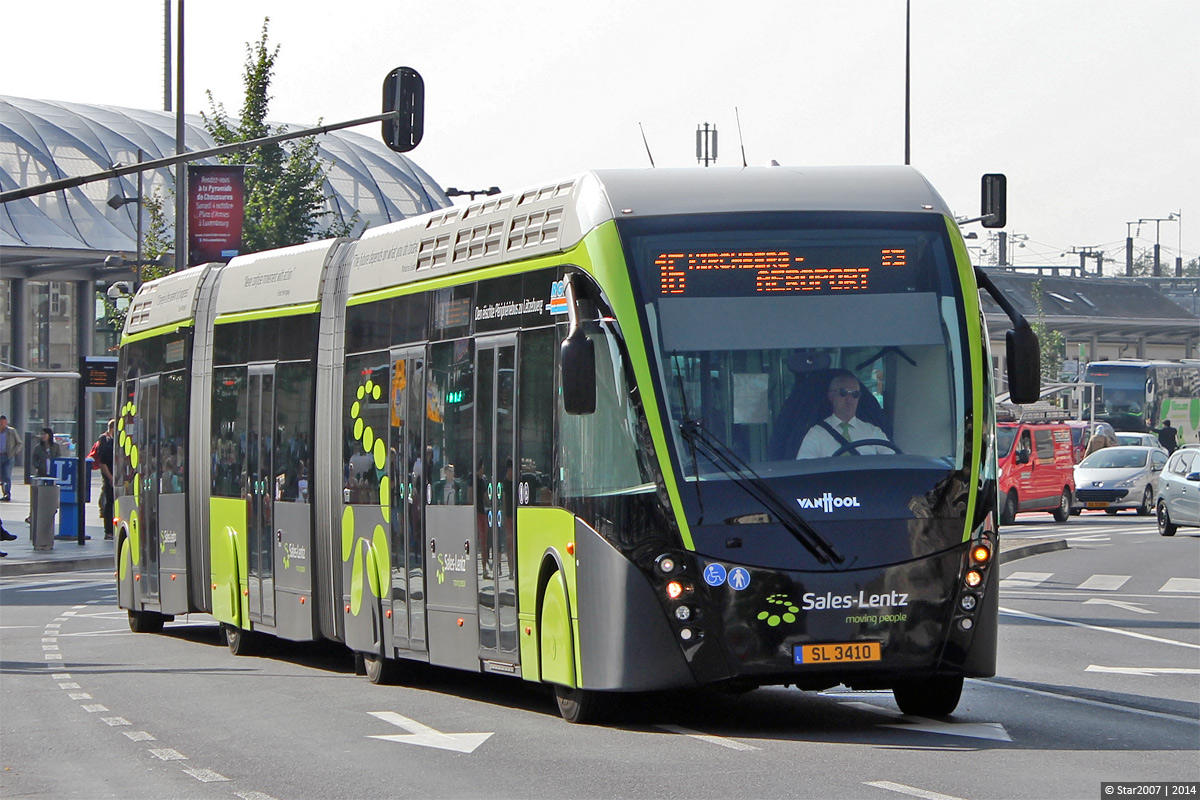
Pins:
<point x="42" y="511"/>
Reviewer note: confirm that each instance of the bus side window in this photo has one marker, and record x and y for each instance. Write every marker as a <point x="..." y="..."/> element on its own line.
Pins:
<point x="536" y="397"/>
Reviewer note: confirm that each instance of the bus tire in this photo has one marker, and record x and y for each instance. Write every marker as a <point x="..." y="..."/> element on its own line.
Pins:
<point x="1165" y="526"/>
<point x="1008" y="508"/>
<point x="579" y="706"/>
<point x="240" y="641"/>
<point x="928" y="697"/>
<point x="146" y="621"/>
<point x="382" y="671"/>
<point x="1063" y="512"/>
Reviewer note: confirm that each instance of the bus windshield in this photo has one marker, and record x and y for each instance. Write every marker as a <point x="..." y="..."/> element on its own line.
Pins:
<point x="1122" y="389"/>
<point x="771" y="330"/>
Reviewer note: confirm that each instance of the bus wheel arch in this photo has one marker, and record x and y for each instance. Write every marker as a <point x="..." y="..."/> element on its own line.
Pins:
<point x="929" y="697"/>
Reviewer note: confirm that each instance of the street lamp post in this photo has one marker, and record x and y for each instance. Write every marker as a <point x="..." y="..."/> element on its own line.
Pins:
<point x="117" y="201"/>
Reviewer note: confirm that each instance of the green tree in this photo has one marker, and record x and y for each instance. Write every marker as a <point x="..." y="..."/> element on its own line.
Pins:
<point x="1051" y="342"/>
<point x="284" y="199"/>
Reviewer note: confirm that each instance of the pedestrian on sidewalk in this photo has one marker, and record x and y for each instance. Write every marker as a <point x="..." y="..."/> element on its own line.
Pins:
<point x="1168" y="436"/>
<point x="43" y="452"/>
<point x="104" y="460"/>
<point x="6" y="536"/>
<point x="10" y="450"/>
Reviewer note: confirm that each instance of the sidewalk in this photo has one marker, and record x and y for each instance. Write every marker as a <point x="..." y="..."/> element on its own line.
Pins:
<point x="66" y="555"/>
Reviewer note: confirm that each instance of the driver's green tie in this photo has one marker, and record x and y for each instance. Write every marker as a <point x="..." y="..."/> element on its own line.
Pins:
<point x="845" y="426"/>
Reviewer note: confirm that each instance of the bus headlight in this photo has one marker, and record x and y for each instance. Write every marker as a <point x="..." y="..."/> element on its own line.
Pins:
<point x="974" y="578"/>
<point x="678" y="589"/>
<point x="968" y="602"/>
<point x="683" y="613"/>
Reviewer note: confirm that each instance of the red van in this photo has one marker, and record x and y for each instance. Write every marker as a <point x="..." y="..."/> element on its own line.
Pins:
<point x="1037" y="469"/>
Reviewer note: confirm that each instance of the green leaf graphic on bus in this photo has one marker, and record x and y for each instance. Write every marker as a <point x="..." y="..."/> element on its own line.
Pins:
<point x="371" y="556"/>
<point x="784" y="611"/>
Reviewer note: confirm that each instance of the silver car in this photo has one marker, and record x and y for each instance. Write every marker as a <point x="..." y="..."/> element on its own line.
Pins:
<point x="1120" y="477"/>
<point x="1179" y="491"/>
<point x="1143" y="439"/>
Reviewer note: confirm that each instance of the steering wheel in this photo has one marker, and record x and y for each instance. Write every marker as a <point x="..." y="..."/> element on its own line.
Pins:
<point x="854" y="446"/>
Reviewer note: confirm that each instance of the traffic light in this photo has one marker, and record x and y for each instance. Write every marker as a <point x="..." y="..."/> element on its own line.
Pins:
<point x="404" y="91"/>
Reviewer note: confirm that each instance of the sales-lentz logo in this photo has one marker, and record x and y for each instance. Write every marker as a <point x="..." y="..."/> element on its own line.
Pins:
<point x="827" y="502"/>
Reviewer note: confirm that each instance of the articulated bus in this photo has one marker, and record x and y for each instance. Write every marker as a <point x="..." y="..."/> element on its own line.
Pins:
<point x="558" y="435"/>
<point x="1139" y="395"/>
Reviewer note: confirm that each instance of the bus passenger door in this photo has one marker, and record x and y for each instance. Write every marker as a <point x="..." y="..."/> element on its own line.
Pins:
<point x="260" y="550"/>
<point x="148" y="476"/>
<point x="406" y="503"/>
<point x="495" y="501"/>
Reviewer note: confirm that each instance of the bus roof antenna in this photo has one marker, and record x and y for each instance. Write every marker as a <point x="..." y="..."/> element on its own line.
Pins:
<point x="648" y="154"/>
<point x="740" y="141"/>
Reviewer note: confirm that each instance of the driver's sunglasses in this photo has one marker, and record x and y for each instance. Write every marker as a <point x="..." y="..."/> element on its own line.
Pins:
<point x="841" y="392"/>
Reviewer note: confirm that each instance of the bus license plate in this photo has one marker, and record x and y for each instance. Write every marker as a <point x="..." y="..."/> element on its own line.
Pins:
<point x="1097" y="505"/>
<point x="837" y="653"/>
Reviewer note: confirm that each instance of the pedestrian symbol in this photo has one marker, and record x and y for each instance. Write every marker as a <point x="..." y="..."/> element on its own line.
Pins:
<point x="739" y="578"/>
<point x="714" y="574"/>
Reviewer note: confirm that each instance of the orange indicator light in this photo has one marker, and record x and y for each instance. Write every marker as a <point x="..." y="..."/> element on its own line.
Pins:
<point x="981" y="554"/>
<point x="974" y="578"/>
<point x="570" y="548"/>
<point x="460" y="622"/>
<point x="674" y="589"/>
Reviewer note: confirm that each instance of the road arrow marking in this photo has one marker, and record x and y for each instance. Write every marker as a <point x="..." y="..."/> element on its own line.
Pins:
<point x="1145" y="671"/>
<point x="974" y="730"/>
<point x="426" y="736"/>
<point x="1136" y="607"/>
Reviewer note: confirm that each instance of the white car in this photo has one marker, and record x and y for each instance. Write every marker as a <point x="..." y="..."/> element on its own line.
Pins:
<point x="1120" y="477"/>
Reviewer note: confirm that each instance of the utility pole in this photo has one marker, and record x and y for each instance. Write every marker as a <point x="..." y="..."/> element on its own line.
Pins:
<point x="1128" y="251"/>
<point x="706" y="144"/>
<point x="1086" y="253"/>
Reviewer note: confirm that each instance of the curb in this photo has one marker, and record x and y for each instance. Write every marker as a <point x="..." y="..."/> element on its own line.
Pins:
<point x="66" y="565"/>
<point x="1032" y="550"/>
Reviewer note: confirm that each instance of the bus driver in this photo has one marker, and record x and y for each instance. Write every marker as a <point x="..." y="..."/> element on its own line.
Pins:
<point x="831" y="434"/>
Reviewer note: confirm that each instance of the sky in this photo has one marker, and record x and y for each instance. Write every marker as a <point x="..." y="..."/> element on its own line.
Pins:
<point x="1090" y="107"/>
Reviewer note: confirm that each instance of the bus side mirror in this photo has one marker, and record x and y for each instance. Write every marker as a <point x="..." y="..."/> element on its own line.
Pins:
<point x="578" y="363"/>
<point x="1024" y="364"/>
<point x="994" y="202"/>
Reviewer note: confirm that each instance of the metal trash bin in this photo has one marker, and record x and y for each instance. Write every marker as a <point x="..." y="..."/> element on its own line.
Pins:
<point x="43" y="508"/>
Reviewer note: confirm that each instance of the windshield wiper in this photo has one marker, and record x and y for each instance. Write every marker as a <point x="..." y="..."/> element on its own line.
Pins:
<point x="752" y="483"/>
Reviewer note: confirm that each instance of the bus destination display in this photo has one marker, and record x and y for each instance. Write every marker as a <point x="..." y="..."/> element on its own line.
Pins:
<point x="746" y="272"/>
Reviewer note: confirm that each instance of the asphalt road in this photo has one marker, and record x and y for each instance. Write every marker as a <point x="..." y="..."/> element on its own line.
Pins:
<point x="1098" y="680"/>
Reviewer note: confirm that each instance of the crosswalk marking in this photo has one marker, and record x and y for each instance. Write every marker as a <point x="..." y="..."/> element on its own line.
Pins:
<point x="1024" y="580"/>
<point x="1181" y="585"/>
<point x="1105" y="583"/>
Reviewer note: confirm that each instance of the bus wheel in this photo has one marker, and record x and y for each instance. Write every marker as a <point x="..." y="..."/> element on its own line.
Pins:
<point x="580" y="706"/>
<point x="1165" y="526"/>
<point x="930" y="697"/>
<point x="1147" y="506"/>
<point x="1063" y="512"/>
<point x="382" y="671"/>
<point x="241" y="642"/>
<point x="1008" y="509"/>
<point x="146" y="621"/>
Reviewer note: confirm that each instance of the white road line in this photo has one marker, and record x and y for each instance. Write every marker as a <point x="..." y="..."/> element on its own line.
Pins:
<point x="1181" y="585"/>
<point x="1105" y="583"/>
<point x="254" y="796"/>
<point x="1095" y="703"/>
<point x="204" y="775"/>
<point x="139" y="736"/>
<point x="115" y="721"/>
<point x="1024" y="580"/>
<point x="704" y="737"/>
<point x="911" y="791"/>
<point x="1144" y="671"/>
<point x="94" y="708"/>
<point x="1013" y="612"/>
<point x="167" y="754"/>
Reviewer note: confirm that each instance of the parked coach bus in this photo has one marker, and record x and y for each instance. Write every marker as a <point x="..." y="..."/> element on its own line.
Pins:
<point x="563" y="435"/>
<point x="1137" y="395"/>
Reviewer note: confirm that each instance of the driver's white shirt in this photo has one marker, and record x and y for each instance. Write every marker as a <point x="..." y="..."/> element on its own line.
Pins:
<point x="819" y="444"/>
